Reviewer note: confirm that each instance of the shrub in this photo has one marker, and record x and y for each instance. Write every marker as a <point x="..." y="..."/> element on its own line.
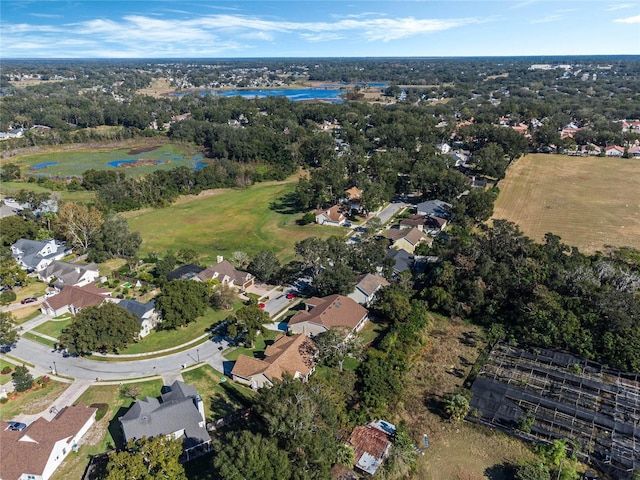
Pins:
<point x="6" y="370"/>
<point x="102" y="410"/>
<point x="4" y="400"/>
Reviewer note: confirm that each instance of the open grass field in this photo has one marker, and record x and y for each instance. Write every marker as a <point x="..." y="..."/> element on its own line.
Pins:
<point x="100" y="437"/>
<point x="457" y="451"/>
<point x="588" y="201"/>
<point x="220" y="222"/>
<point x="9" y="189"/>
<point x="133" y="159"/>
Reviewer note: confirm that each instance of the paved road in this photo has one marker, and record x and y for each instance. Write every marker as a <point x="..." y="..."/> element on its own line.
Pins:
<point x="278" y="302"/>
<point x="86" y="369"/>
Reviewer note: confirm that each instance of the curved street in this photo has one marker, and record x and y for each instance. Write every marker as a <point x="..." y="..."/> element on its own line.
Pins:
<point x="86" y="369"/>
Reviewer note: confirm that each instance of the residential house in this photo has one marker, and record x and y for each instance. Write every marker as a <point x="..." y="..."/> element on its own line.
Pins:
<point x="437" y="208"/>
<point x="443" y="148"/>
<point x="185" y="272"/>
<point x="332" y="216"/>
<point x="371" y="445"/>
<point x="226" y="274"/>
<point x="403" y="260"/>
<point x="146" y="313"/>
<point x="321" y="314"/>
<point x="73" y="299"/>
<point x="367" y="287"/>
<point x="38" y="450"/>
<point x="407" y="239"/>
<point x="65" y="273"/>
<point x="613" y="151"/>
<point x="294" y="355"/>
<point x="353" y="197"/>
<point x="634" y="151"/>
<point x="178" y="413"/>
<point x="36" y="255"/>
<point x="425" y="223"/>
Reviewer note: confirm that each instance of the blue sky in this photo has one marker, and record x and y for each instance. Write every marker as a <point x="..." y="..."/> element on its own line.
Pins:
<point x="304" y="28"/>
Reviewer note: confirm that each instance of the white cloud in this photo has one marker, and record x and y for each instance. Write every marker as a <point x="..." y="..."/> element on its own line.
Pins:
<point x="212" y="34"/>
<point x="620" y="6"/>
<point x="635" y="19"/>
<point x="45" y="15"/>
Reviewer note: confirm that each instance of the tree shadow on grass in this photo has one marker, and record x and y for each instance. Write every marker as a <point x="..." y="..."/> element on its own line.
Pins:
<point x="286" y="204"/>
<point x="500" y="472"/>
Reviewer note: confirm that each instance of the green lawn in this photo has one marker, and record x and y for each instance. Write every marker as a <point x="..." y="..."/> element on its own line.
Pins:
<point x="100" y="437"/>
<point x="33" y="401"/>
<point x="6" y="378"/>
<point x="159" y="340"/>
<point x="220" y="398"/>
<point x="39" y="339"/>
<point x="372" y="329"/>
<point x="258" y="346"/>
<point x="53" y="328"/>
<point x="223" y="221"/>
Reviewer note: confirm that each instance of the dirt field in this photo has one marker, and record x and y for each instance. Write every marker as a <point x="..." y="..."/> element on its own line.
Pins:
<point x="588" y="201"/>
<point x="457" y="451"/>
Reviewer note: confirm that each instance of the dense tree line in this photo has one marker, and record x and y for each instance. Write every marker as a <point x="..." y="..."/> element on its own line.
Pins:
<point x="545" y="294"/>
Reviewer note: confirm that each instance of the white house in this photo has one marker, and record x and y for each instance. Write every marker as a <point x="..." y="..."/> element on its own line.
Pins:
<point x="65" y="273"/>
<point x="37" y="254"/>
<point x="146" y="313"/>
<point x="37" y="451"/>
<point x="614" y="151"/>
<point x="332" y="216"/>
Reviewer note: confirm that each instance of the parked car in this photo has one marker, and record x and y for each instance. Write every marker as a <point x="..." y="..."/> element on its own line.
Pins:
<point x="291" y="295"/>
<point x="16" y="426"/>
<point x="29" y="300"/>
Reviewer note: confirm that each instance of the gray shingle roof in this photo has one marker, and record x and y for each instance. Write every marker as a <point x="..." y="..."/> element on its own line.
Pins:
<point x="176" y="412"/>
<point x="137" y="308"/>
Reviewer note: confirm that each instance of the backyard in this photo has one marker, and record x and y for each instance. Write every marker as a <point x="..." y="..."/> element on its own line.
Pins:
<point x="104" y="434"/>
<point x="588" y="201"/>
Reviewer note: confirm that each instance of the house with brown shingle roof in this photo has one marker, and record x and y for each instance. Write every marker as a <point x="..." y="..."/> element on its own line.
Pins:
<point x="407" y="240"/>
<point x="367" y="287"/>
<point x="332" y="216"/>
<point x="226" y="273"/>
<point x="294" y="355"/>
<point x="38" y="450"/>
<point x="321" y="314"/>
<point x="73" y="299"/>
<point x="424" y="223"/>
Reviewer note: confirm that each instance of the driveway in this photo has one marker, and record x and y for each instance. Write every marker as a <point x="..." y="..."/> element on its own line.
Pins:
<point x="390" y="210"/>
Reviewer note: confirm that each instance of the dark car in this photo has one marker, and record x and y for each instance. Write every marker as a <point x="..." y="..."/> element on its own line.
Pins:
<point x="29" y="300"/>
<point x="16" y="426"/>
